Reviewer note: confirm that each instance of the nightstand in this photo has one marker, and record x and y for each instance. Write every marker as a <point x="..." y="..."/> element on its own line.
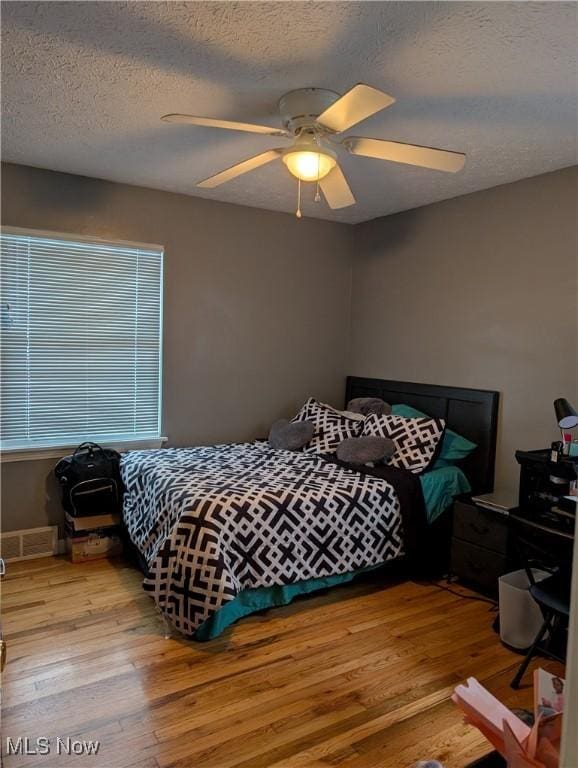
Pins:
<point x="480" y="550"/>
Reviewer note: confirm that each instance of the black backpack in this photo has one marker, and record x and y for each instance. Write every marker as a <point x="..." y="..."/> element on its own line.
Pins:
<point x="90" y="479"/>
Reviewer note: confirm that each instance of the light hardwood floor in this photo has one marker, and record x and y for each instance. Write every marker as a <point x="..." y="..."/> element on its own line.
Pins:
<point x="359" y="676"/>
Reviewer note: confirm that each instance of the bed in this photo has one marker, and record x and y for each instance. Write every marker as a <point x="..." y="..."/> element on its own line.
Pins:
<point x="224" y="531"/>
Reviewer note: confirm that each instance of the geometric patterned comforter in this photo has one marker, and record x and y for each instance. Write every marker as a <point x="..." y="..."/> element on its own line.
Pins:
<point x="212" y="521"/>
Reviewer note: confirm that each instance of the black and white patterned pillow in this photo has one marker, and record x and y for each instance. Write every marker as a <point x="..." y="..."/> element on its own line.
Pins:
<point x="417" y="440"/>
<point x="331" y="426"/>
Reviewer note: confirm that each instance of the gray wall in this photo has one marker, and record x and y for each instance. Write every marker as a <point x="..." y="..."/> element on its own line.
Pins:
<point x="476" y="291"/>
<point x="479" y="291"/>
<point x="256" y="310"/>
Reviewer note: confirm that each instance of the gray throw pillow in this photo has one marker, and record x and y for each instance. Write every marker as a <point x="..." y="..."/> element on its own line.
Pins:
<point x="365" y="450"/>
<point x="290" y="435"/>
<point x="367" y="405"/>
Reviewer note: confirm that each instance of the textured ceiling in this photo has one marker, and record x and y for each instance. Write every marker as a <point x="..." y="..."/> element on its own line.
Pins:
<point x="84" y="85"/>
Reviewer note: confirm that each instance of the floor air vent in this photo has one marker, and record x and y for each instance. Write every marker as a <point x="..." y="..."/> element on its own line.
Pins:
<point x="25" y="545"/>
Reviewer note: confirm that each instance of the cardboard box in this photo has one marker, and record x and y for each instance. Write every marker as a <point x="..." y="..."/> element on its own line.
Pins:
<point x="92" y="538"/>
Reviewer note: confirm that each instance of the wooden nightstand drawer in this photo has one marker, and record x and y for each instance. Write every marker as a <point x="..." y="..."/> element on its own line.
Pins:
<point x="480" y="527"/>
<point x="477" y="565"/>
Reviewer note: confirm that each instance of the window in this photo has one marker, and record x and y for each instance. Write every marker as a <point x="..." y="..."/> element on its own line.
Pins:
<point x="80" y="333"/>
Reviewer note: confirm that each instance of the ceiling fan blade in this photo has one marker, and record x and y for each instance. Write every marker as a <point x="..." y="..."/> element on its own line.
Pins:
<point x="360" y="102"/>
<point x="336" y="189"/>
<point x="238" y="170"/>
<point x="210" y="122"/>
<point x="411" y="154"/>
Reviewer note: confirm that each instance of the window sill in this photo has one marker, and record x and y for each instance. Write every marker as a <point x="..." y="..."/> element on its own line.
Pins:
<point x="57" y="452"/>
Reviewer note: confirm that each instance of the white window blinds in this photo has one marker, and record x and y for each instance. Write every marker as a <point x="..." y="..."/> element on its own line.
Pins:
<point x="81" y="340"/>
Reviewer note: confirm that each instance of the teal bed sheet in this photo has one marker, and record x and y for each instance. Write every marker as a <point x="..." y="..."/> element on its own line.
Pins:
<point x="259" y="599"/>
<point x="439" y="488"/>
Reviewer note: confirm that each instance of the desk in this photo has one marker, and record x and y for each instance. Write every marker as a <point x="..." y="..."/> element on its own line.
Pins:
<point x="548" y="516"/>
<point x="548" y="533"/>
<point x="544" y="484"/>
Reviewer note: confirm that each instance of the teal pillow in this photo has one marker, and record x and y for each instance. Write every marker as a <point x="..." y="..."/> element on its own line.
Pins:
<point x="442" y="463"/>
<point x="454" y="446"/>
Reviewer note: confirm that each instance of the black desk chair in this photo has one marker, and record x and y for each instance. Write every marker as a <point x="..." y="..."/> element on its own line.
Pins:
<point x="540" y="545"/>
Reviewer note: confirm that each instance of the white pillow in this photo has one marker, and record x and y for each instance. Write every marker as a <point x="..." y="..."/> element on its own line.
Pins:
<point x="331" y="426"/>
<point x="417" y="440"/>
<point x="347" y="414"/>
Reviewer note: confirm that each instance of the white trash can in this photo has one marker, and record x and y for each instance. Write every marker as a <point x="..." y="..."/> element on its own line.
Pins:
<point x="520" y="615"/>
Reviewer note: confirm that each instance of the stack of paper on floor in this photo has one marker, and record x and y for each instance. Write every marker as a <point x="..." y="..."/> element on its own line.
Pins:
<point x="520" y="745"/>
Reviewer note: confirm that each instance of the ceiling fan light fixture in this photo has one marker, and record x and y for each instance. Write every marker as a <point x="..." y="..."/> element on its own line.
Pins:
<point x="309" y="166"/>
<point x="312" y="117"/>
<point x="309" y="161"/>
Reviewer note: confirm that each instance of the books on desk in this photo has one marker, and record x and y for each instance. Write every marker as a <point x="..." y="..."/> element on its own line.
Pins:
<point x="499" y="501"/>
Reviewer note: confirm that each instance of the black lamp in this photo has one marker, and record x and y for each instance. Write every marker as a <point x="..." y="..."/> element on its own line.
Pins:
<point x="566" y="416"/>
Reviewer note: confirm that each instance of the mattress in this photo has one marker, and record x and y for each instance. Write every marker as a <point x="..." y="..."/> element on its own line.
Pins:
<point x="213" y="522"/>
<point x="439" y="487"/>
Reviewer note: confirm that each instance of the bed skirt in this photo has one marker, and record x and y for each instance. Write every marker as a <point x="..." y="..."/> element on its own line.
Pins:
<point x="253" y="600"/>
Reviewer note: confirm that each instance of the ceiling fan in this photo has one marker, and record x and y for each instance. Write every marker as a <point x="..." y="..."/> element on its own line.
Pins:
<point x="312" y="117"/>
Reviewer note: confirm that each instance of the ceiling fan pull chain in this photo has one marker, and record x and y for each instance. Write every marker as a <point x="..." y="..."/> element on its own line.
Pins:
<point x="317" y="197"/>
<point x="298" y="213"/>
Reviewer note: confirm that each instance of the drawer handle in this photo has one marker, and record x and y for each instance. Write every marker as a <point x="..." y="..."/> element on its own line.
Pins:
<point x="480" y="530"/>
<point x="474" y="567"/>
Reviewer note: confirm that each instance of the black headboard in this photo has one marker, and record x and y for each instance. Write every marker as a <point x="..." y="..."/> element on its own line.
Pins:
<point x="472" y="413"/>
